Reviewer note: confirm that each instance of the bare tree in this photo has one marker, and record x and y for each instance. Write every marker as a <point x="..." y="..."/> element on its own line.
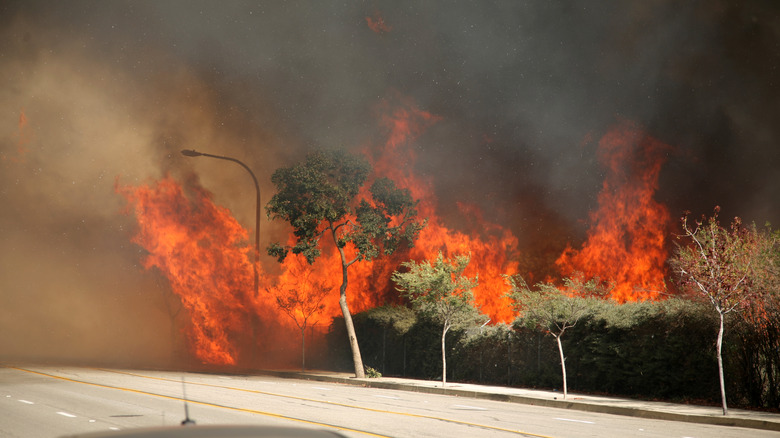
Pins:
<point x="301" y="299"/>
<point x="721" y="265"/>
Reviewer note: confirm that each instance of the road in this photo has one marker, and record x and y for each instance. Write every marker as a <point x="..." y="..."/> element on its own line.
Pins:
<point x="55" y="401"/>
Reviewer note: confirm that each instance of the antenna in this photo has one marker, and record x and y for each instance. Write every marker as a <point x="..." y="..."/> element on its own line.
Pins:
<point x="187" y="420"/>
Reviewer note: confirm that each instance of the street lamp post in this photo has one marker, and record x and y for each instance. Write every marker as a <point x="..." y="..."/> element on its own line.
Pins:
<point x="194" y="153"/>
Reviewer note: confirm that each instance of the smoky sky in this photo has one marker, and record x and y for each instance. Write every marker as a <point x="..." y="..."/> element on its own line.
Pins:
<point x="98" y="92"/>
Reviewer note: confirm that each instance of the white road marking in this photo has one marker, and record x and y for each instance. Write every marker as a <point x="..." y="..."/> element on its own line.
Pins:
<point x="474" y="408"/>
<point x="113" y="428"/>
<point x="27" y="402"/>
<point x="65" y="414"/>
<point x="321" y="388"/>
<point x="387" y="396"/>
<point x="575" y="421"/>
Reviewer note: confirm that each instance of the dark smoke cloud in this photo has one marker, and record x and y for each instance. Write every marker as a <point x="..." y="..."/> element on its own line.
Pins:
<point x="524" y="90"/>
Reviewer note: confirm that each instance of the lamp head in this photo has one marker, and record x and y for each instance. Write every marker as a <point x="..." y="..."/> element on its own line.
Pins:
<point x="190" y="153"/>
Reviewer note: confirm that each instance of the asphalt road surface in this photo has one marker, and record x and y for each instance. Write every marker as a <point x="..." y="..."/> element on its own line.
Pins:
<point x="55" y="401"/>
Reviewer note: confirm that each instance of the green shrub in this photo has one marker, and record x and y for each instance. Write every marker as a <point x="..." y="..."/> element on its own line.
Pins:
<point x="657" y="350"/>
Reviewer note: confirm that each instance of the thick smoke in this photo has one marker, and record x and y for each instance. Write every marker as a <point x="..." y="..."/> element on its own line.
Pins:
<point x="95" y="91"/>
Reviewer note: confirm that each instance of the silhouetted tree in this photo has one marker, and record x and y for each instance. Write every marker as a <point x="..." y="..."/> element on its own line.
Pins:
<point x="301" y="299"/>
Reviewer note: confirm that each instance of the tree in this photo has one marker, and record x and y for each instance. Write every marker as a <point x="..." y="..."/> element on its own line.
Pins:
<point x="320" y="197"/>
<point x="555" y="309"/>
<point x="441" y="291"/>
<point x="722" y="265"/>
<point x="301" y="299"/>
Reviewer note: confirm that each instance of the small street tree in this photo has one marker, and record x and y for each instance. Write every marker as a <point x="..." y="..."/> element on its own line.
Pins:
<point x="440" y="291"/>
<point x="301" y="299"/>
<point x="320" y="197"/>
<point x="555" y="309"/>
<point x="722" y="265"/>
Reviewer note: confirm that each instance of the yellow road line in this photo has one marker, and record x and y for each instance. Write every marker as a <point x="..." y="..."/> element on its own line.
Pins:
<point x="294" y="397"/>
<point x="251" y="411"/>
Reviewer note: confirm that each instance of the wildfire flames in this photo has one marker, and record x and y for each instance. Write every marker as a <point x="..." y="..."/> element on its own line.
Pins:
<point x="205" y="253"/>
<point x="626" y="243"/>
<point x="202" y="250"/>
<point x="493" y="249"/>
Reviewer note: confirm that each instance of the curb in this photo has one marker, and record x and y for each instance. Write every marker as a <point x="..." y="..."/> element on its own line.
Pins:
<point x="561" y="404"/>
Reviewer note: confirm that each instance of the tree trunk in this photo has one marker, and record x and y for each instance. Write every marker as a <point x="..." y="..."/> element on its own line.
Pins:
<point x="444" y="356"/>
<point x="563" y="365"/>
<point x="384" y="346"/>
<point x="404" y="366"/>
<point x="303" y="348"/>
<point x="353" y="342"/>
<point x="357" y="359"/>
<point x="720" y="365"/>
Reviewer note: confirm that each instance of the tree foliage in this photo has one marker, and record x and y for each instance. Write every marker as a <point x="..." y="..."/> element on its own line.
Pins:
<point x="556" y="309"/>
<point x="757" y="349"/>
<point x="320" y="197"/>
<point x="399" y="318"/>
<point x="440" y="291"/>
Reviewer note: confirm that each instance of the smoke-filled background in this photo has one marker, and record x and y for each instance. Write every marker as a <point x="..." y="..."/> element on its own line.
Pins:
<point x="99" y="94"/>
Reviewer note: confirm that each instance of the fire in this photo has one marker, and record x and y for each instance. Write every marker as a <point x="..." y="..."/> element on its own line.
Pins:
<point x="493" y="249"/>
<point x="202" y="250"/>
<point x="377" y="24"/>
<point x="206" y="256"/>
<point x="627" y="241"/>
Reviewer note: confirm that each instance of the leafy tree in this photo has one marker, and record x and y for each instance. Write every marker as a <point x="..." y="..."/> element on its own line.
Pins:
<point x="301" y="299"/>
<point x="441" y="291"/>
<point x="722" y="265"/>
<point x="319" y="197"/>
<point x="555" y="309"/>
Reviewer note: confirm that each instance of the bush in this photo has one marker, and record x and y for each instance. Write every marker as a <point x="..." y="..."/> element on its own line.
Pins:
<point x="656" y="350"/>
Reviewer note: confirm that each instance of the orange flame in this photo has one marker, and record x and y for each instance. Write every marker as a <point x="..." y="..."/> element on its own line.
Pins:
<point x="202" y="250"/>
<point x="377" y="24"/>
<point x="493" y="249"/>
<point x="627" y="241"/>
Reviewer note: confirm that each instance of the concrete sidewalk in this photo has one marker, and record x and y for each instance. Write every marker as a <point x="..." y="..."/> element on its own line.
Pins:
<point x="606" y="405"/>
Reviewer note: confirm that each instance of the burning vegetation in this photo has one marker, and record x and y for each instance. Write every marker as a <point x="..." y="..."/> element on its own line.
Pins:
<point x="204" y="252"/>
<point x="627" y="239"/>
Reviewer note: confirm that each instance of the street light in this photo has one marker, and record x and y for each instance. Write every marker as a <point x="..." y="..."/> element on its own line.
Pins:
<point x="194" y="153"/>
